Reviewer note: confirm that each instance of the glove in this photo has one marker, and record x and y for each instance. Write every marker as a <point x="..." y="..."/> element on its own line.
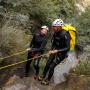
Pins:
<point x="28" y="49"/>
<point x="53" y="51"/>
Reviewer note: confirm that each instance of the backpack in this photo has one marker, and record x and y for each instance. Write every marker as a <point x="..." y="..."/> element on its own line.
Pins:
<point x="72" y="32"/>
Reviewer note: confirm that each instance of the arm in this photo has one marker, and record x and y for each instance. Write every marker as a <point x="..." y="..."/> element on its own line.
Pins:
<point x="42" y="46"/>
<point x="66" y="38"/>
<point x="32" y="41"/>
<point x="53" y="42"/>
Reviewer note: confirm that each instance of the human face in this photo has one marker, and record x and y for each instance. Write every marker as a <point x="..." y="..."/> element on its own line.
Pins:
<point x="56" y="28"/>
<point x="44" y="31"/>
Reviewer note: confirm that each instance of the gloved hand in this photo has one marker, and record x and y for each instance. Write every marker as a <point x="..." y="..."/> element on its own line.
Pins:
<point x="28" y="49"/>
<point x="53" y="51"/>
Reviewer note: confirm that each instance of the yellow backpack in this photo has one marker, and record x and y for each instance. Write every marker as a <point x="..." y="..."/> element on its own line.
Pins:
<point x="72" y="32"/>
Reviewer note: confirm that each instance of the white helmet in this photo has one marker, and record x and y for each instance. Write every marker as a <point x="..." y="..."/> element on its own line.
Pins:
<point x="45" y="27"/>
<point x="58" y="22"/>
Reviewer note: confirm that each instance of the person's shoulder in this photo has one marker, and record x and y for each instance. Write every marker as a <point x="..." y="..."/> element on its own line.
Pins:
<point x="65" y="33"/>
<point x="37" y="34"/>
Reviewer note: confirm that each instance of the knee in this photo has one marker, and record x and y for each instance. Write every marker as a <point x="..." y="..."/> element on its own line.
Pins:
<point x="48" y="62"/>
<point x="47" y="65"/>
<point x="52" y="66"/>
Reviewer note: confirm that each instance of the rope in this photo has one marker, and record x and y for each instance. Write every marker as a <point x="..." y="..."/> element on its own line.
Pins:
<point x="17" y="63"/>
<point x="7" y="66"/>
<point x="10" y="65"/>
<point x="13" y="55"/>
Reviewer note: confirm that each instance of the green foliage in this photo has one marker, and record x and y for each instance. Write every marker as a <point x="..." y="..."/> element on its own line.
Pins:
<point x="66" y="8"/>
<point x="40" y="12"/>
<point x="13" y="40"/>
<point x="83" y="68"/>
<point x="84" y="27"/>
<point x="43" y="12"/>
<point x="84" y="19"/>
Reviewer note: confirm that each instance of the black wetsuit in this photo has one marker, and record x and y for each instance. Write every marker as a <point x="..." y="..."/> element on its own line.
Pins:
<point x="61" y="42"/>
<point x="37" y="46"/>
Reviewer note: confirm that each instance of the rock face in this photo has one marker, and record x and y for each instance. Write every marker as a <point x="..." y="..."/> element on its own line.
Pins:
<point x="74" y="82"/>
<point x="82" y="5"/>
<point x="16" y="87"/>
<point x="16" y="83"/>
<point x="64" y="68"/>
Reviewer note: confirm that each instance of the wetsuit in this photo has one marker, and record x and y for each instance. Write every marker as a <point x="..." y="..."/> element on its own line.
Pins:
<point x="61" y="42"/>
<point x="37" y="46"/>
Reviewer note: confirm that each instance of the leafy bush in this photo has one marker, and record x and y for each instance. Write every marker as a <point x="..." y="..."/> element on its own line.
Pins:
<point x="83" y="27"/>
<point x="13" y="40"/>
<point x="83" y="68"/>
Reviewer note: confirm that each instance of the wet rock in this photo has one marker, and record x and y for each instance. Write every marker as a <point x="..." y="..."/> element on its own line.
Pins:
<point x="74" y="82"/>
<point x="16" y="87"/>
<point x="34" y="88"/>
<point x="15" y="83"/>
<point x="63" y="69"/>
<point x="14" y="80"/>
